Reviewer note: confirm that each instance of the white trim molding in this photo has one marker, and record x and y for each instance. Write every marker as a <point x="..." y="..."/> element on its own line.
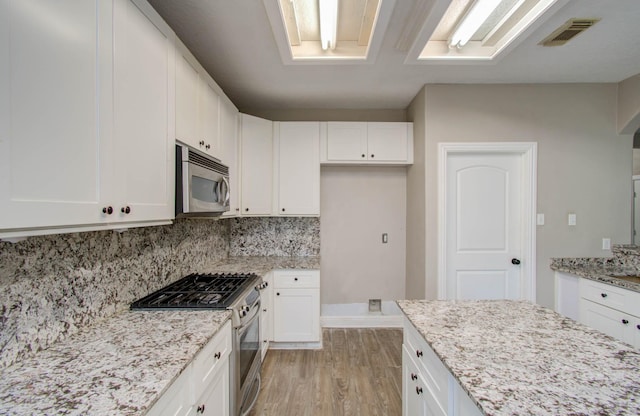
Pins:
<point x="529" y="153"/>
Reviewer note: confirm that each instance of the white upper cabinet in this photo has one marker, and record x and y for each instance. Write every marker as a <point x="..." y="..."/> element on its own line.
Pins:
<point x="186" y="98"/>
<point x="144" y="123"/>
<point x="55" y="71"/>
<point x="229" y="119"/>
<point x="346" y="141"/>
<point x="197" y="105"/>
<point x="388" y="142"/>
<point x="86" y="113"/>
<point x="256" y="155"/>
<point x="367" y="143"/>
<point x="297" y="168"/>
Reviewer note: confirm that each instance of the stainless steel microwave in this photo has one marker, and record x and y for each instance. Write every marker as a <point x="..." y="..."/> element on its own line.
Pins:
<point x="202" y="184"/>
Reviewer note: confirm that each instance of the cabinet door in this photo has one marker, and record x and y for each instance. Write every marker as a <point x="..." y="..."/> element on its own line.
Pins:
<point x="215" y="400"/>
<point x="296" y="315"/>
<point x="186" y="99"/>
<point x="634" y="337"/>
<point x="298" y="168"/>
<point x="209" y="116"/>
<point x="266" y="316"/>
<point x="413" y="389"/>
<point x="55" y="72"/>
<point x="229" y="141"/>
<point x="346" y="141"/>
<point x="144" y="97"/>
<point x="256" y="165"/>
<point x="387" y="142"/>
<point x="567" y="299"/>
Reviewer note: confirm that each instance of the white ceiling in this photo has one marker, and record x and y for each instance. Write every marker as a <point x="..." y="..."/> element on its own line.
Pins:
<point x="234" y="41"/>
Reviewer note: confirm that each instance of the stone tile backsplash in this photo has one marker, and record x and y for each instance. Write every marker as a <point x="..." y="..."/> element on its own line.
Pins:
<point x="275" y="236"/>
<point x="51" y="286"/>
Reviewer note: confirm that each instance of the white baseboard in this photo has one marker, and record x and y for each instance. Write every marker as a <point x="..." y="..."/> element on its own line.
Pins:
<point x="356" y="315"/>
<point x="373" y="321"/>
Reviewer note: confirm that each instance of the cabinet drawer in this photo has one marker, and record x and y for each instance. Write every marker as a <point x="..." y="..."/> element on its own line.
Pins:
<point x="603" y="294"/>
<point x="434" y="372"/>
<point x="208" y="360"/>
<point x="296" y="279"/>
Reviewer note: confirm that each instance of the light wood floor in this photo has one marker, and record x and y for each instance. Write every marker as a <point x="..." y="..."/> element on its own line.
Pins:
<point x="358" y="372"/>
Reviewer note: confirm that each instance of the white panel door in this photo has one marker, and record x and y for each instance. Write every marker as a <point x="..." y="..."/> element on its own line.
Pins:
<point x="144" y="97"/>
<point x="299" y="168"/>
<point x="187" y="79"/>
<point x="209" y="119"/>
<point x="483" y="226"/>
<point x="296" y="316"/>
<point x="387" y="141"/>
<point x="55" y="69"/>
<point x="256" y="165"/>
<point x="229" y="142"/>
<point x="346" y="141"/>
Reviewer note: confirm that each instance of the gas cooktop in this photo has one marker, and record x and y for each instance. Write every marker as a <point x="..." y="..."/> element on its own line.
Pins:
<point x="199" y="291"/>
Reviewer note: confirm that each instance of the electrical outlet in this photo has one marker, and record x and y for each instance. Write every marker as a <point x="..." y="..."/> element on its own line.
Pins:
<point x="606" y="244"/>
<point x="375" y="305"/>
<point x="572" y="219"/>
<point x="540" y="219"/>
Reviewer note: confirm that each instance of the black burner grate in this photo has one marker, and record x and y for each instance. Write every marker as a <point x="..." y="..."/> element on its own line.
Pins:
<point x="198" y="291"/>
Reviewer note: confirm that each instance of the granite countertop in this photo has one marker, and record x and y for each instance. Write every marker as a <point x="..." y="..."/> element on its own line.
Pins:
<point x="123" y="364"/>
<point x="599" y="270"/>
<point x="118" y="367"/>
<point x="518" y="358"/>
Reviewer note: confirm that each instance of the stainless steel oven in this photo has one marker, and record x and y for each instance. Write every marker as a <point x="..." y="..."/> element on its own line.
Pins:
<point x="246" y="374"/>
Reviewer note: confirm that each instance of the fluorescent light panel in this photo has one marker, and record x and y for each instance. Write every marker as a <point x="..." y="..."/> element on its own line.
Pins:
<point x="328" y="23"/>
<point x="477" y="15"/>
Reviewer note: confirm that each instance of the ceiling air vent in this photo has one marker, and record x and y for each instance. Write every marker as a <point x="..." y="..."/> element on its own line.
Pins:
<point x="568" y="31"/>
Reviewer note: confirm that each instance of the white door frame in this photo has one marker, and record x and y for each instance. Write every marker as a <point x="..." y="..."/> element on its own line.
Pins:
<point x="529" y="152"/>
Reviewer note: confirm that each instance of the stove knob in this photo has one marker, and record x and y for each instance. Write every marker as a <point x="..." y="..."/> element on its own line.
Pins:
<point x="246" y="308"/>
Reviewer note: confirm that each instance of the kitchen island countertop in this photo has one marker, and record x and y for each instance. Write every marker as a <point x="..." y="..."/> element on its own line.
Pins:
<point x="518" y="358"/>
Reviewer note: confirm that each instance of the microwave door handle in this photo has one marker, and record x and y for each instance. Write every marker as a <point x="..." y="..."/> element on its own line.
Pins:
<point x="226" y="194"/>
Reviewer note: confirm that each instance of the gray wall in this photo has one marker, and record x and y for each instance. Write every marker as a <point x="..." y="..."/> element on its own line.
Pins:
<point x="358" y="204"/>
<point x="584" y="166"/>
<point x="416" y="208"/>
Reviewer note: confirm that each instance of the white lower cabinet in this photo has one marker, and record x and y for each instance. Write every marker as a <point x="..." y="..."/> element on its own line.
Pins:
<point x="266" y="315"/>
<point x="611" y="310"/>
<point x="428" y="388"/>
<point x="203" y="387"/>
<point x="296" y="306"/>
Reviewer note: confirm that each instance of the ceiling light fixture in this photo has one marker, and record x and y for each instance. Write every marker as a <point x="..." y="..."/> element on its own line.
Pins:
<point x="472" y="21"/>
<point x="328" y="23"/>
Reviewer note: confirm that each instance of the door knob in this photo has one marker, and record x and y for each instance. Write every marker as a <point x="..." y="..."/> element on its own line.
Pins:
<point x="515" y="261"/>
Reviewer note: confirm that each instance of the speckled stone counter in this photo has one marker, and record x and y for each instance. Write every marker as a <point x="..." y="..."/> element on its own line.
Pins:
<point x="118" y="367"/>
<point x="517" y="358"/>
<point x="622" y="270"/>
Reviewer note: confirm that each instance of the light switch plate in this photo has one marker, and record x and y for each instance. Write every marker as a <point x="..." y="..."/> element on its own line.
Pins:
<point x="540" y="219"/>
<point x="572" y="220"/>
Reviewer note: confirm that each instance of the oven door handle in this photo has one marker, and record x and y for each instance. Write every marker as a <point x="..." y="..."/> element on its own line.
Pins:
<point x="254" y="313"/>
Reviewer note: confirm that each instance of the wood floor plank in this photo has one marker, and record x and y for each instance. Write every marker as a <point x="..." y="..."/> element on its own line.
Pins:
<point x="357" y="372"/>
